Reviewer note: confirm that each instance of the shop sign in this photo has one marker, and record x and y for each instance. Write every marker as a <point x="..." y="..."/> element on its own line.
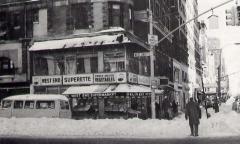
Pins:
<point x="139" y="94"/>
<point x="47" y="80"/>
<point x="110" y="78"/>
<point x="132" y="78"/>
<point x="78" y="79"/>
<point x="144" y="80"/>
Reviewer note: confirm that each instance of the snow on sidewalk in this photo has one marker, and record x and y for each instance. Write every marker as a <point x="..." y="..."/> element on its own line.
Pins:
<point x="224" y="123"/>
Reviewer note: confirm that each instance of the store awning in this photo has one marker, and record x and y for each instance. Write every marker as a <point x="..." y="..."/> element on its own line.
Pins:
<point x="80" y="42"/>
<point x="128" y="88"/>
<point x="108" y="90"/>
<point x="75" y="90"/>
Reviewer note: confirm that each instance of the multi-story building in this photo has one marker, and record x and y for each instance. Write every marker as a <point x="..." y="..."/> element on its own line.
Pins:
<point x="16" y="27"/>
<point x="164" y="51"/>
<point x="194" y="60"/>
<point x="180" y="51"/>
<point x="96" y="52"/>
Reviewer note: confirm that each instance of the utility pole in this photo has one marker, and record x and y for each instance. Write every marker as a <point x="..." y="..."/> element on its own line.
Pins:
<point x="152" y="49"/>
<point x="219" y="74"/>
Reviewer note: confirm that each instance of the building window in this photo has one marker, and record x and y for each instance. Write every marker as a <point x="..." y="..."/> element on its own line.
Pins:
<point x="80" y="15"/>
<point x="176" y="75"/>
<point x="70" y="65"/>
<point x="131" y="17"/>
<point x="41" y="65"/>
<point x="59" y="66"/>
<point x="114" y="61"/>
<point x="94" y="64"/>
<point x="35" y="16"/>
<point x="6" y="66"/>
<point x="80" y="65"/>
<point x="115" y="15"/>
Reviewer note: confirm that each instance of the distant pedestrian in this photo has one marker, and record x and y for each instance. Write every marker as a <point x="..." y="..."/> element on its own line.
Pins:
<point x="193" y="113"/>
<point x="166" y="108"/>
<point x="174" y="107"/>
<point x="235" y="105"/>
<point x="215" y="105"/>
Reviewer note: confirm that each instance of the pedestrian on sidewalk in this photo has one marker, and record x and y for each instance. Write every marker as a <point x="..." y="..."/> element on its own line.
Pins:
<point x="215" y="105"/>
<point x="166" y="106"/>
<point x="174" y="108"/>
<point x="193" y="113"/>
<point x="235" y="105"/>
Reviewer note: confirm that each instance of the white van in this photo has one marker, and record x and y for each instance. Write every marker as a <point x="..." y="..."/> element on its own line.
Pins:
<point x="35" y="105"/>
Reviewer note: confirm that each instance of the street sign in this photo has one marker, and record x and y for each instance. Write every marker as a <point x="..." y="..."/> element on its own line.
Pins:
<point x="141" y="54"/>
<point x="154" y="84"/>
<point x="152" y="40"/>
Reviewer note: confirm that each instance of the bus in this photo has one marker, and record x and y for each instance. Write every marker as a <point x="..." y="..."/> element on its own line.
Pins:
<point x="35" y="106"/>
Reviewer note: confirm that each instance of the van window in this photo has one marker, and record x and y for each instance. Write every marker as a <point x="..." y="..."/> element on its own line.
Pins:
<point x="18" y="104"/>
<point x="29" y="105"/>
<point x="45" y="105"/>
<point x="7" y="104"/>
<point x="64" y="105"/>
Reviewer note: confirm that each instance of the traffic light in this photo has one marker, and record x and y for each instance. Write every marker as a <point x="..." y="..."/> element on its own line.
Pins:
<point x="238" y="15"/>
<point x="231" y="18"/>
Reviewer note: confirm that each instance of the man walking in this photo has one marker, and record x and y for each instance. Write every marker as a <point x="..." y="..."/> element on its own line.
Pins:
<point x="193" y="113"/>
<point x="166" y="108"/>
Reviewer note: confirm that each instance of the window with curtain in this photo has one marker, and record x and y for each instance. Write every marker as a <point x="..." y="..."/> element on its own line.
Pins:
<point x="59" y="66"/>
<point x="41" y="65"/>
<point x="70" y="67"/>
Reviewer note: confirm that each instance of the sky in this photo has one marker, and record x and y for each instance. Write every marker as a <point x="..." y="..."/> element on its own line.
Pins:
<point x="228" y="35"/>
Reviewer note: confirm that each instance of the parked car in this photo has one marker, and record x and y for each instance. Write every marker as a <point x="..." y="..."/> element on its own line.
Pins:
<point x="35" y="105"/>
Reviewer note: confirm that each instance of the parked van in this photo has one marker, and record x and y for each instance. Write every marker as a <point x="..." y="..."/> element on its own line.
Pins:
<point x="35" y="105"/>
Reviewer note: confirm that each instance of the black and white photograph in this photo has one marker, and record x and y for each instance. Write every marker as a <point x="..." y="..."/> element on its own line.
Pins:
<point x="119" y="71"/>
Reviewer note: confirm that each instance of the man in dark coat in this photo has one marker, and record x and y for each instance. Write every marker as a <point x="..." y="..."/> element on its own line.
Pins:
<point x="193" y="113"/>
<point x="166" y="106"/>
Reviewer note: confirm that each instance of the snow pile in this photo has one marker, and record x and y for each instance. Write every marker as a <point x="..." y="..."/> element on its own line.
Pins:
<point x="224" y="123"/>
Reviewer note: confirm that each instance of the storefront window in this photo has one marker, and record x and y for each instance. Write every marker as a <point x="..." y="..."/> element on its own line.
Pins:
<point x="116" y="105"/>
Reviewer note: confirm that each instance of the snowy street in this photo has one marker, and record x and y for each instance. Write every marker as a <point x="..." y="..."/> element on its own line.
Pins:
<point x="222" y="124"/>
